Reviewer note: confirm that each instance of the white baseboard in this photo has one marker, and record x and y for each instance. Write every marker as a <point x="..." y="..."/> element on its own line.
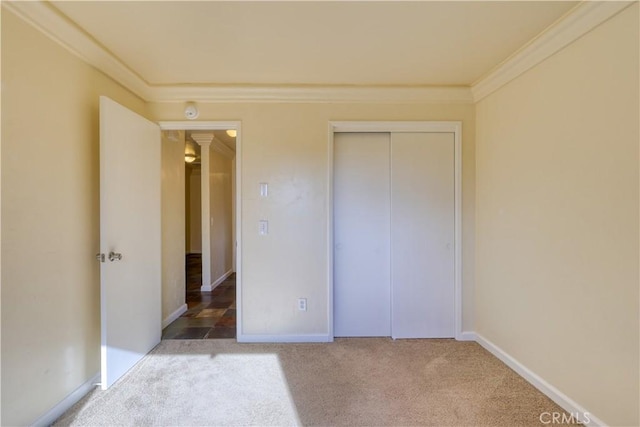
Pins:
<point x="550" y="391"/>
<point x="65" y="404"/>
<point x="173" y="316"/>
<point x="221" y="278"/>
<point x="466" y="336"/>
<point x="257" y="338"/>
<point x="212" y="286"/>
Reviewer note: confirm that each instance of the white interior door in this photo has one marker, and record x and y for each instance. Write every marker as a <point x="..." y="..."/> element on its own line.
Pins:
<point x="130" y="274"/>
<point x="422" y="235"/>
<point x="361" y="235"/>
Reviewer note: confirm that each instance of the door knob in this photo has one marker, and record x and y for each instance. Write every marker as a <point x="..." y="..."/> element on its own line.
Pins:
<point x="114" y="256"/>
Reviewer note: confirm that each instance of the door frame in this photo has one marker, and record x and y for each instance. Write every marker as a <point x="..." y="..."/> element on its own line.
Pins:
<point x="454" y="127"/>
<point x="225" y="125"/>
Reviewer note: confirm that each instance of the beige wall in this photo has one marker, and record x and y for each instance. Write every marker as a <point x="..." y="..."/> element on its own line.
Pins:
<point x="557" y="216"/>
<point x="50" y="220"/>
<point x="286" y="145"/>
<point x="173" y="224"/>
<point x="220" y="211"/>
<point x="195" y="211"/>
<point x="557" y="220"/>
<point x="187" y="207"/>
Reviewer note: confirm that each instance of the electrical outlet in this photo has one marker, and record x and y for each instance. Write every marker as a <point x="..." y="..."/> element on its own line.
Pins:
<point x="263" y="227"/>
<point x="302" y="304"/>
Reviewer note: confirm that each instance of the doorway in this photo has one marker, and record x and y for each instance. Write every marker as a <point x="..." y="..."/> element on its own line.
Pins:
<point x="376" y="222"/>
<point x="209" y="159"/>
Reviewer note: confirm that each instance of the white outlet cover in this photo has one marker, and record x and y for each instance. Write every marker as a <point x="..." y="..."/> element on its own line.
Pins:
<point x="263" y="227"/>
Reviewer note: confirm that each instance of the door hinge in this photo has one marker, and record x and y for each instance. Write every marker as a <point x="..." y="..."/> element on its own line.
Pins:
<point x="100" y="257"/>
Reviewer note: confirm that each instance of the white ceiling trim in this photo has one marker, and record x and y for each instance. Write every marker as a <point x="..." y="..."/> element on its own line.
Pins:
<point x="58" y="28"/>
<point x="312" y="94"/>
<point x="567" y="29"/>
<point x="574" y="24"/>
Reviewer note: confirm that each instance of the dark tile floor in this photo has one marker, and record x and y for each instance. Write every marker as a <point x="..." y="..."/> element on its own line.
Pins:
<point x="209" y="314"/>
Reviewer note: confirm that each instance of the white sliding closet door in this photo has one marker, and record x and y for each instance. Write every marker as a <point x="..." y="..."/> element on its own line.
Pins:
<point x="361" y="235"/>
<point x="422" y="235"/>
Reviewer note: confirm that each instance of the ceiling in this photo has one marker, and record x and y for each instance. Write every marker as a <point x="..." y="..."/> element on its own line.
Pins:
<point x="312" y="43"/>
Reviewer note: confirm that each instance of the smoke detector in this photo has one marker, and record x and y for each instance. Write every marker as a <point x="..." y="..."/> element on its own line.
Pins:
<point x="191" y="111"/>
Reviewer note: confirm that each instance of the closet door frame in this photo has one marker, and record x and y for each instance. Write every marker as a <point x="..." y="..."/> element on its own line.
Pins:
<point x="454" y="127"/>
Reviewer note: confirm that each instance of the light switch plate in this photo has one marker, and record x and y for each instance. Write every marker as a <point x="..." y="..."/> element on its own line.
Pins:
<point x="264" y="189"/>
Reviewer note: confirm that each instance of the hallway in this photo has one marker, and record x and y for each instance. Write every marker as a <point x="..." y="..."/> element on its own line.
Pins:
<point x="209" y="315"/>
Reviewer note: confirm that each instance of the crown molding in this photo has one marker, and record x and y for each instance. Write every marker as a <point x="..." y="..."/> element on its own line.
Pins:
<point x="313" y="94"/>
<point x="56" y="26"/>
<point x="578" y="21"/>
<point x="574" y="24"/>
<point x="45" y="18"/>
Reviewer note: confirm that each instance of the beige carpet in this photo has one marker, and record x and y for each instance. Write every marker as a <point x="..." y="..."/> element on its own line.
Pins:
<point x="357" y="381"/>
